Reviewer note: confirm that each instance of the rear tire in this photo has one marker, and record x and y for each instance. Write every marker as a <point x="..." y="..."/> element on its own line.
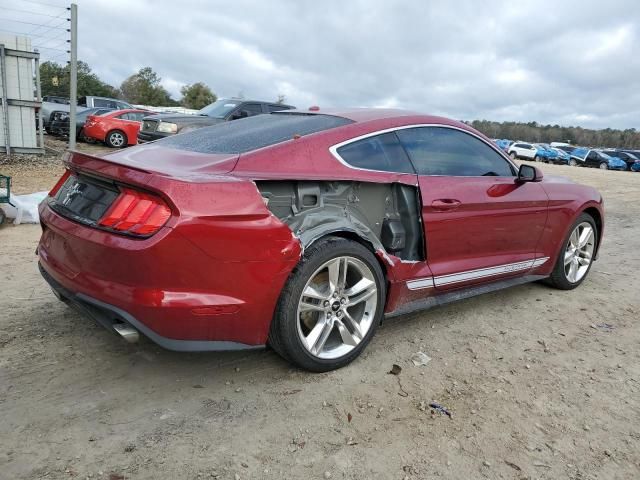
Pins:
<point x="537" y="159"/>
<point x="116" y="139"/>
<point x="513" y="155"/>
<point x="572" y="162"/>
<point x="604" y="166"/>
<point x="316" y="329"/>
<point x="570" y="252"/>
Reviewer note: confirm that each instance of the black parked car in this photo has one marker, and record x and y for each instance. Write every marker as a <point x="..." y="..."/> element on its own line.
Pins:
<point x="222" y="110"/>
<point x="628" y="157"/>
<point x="60" y="121"/>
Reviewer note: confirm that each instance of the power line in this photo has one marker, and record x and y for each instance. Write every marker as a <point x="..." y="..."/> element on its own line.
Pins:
<point x="46" y="4"/>
<point x="28" y="23"/>
<point x="27" y="11"/>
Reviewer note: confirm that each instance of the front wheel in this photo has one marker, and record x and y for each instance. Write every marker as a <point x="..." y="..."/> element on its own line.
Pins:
<point x="576" y="255"/>
<point x="116" y="139"/>
<point x="513" y="155"/>
<point x="573" y="163"/>
<point x="604" y="166"/>
<point x="330" y="307"/>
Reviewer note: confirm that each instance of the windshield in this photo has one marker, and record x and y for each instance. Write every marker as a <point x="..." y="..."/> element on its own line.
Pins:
<point x="219" y="108"/>
<point x="632" y="156"/>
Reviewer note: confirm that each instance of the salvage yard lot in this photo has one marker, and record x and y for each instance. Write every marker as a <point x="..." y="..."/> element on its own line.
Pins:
<point x="541" y="383"/>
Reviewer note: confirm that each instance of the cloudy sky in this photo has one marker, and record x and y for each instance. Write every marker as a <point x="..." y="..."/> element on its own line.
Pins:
<point x="564" y="62"/>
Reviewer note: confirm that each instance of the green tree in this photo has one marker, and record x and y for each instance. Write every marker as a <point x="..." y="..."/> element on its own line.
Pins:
<point x="197" y="96"/>
<point x="54" y="80"/>
<point x="143" y="88"/>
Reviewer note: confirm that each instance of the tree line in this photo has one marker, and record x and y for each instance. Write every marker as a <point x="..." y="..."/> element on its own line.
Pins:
<point x="536" y="133"/>
<point x="144" y="88"/>
<point x="141" y="88"/>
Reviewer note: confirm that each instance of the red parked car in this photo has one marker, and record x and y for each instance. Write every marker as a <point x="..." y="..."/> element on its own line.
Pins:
<point x="302" y="230"/>
<point x="116" y="129"/>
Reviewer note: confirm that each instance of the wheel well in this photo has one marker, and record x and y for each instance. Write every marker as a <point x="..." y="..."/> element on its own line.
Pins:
<point x="597" y="218"/>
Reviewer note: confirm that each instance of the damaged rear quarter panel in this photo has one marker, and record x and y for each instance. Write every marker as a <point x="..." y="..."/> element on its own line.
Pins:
<point x="385" y="215"/>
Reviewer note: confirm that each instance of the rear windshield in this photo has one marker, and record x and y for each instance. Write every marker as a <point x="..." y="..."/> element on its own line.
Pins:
<point x="244" y="135"/>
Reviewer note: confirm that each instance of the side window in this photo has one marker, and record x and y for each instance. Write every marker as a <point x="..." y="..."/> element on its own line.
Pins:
<point x="592" y="155"/>
<point x="123" y="116"/>
<point x="445" y="151"/>
<point x="381" y="152"/>
<point x="252" y="108"/>
<point x="99" y="102"/>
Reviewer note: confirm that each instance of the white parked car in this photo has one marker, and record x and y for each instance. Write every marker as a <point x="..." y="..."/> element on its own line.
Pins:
<point x="523" y="150"/>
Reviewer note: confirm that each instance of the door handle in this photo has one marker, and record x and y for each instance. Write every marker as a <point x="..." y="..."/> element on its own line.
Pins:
<point x="444" y="204"/>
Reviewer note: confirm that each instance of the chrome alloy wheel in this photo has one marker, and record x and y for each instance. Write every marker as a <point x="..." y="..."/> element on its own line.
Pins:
<point x="579" y="252"/>
<point x="337" y="307"/>
<point x="117" y="139"/>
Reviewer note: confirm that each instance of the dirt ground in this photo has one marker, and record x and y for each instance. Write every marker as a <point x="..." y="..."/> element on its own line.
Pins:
<point x="541" y="384"/>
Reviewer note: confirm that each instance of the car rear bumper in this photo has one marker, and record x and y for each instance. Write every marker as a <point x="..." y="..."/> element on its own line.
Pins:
<point x="110" y="317"/>
<point x="144" y="137"/>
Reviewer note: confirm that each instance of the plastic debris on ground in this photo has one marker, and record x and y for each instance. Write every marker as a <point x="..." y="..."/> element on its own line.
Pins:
<point x="420" y="359"/>
<point x="25" y="209"/>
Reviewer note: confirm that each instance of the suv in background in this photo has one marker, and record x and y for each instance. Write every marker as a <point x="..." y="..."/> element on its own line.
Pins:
<point x="522" y="150"/>
<point x="222" y="110"/>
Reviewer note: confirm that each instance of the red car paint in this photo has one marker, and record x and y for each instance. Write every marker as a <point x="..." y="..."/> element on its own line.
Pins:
<point x="215" y="270"/>
<point x="98" y="127"/>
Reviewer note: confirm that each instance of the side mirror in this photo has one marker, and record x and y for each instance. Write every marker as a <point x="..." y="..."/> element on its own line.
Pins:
<point x="529" y="173"/>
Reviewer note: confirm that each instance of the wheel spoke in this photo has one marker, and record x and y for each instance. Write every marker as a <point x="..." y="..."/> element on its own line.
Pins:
<point x="585" y="236"/>
<point x="308" y="306"/>
<point x="575" y="238"/>
<point x="337" y="273"/>
<point x="322" y="339"/>
<point x="361" y="291"/>
<point x="315" y="333"/>
<point x="568" y="256"/>
<point x="349" y="321"/>
<point x="311" y="292"/>
<point x="347" y="337"/>
<point x="583" y="261"/>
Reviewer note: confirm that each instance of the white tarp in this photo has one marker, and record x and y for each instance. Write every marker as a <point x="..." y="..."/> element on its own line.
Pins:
<point x="26" y="207"/>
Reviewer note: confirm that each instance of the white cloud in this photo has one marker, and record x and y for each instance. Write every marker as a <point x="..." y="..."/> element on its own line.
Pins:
<point x="570" y="62"/>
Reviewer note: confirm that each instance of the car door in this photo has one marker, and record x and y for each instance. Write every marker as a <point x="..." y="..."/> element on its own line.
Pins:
<point x="479" y="223"/>
<point x="592" y="159"/>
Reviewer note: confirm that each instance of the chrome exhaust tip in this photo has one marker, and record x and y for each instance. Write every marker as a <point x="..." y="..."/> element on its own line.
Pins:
<point x="127" y="332"/>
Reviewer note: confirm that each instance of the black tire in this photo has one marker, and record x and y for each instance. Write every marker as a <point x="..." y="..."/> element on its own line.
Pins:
<point x="558" y="279"/>
<point x="283" y="334"/>
<point x="537" y="159"/>
<point x="116" y="139"/>
<point x="603" y="166"/>
<point x="513" y="155"/>
<point x="572" y="162"/>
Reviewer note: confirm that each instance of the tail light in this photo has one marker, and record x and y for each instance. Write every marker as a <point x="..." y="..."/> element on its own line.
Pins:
<point x="136" y="213"/>
<point x="59" y="183"/>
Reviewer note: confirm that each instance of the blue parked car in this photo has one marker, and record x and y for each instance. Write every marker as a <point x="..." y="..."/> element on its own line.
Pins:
<point x="503" y="143"/>
<point x="586" y="157"/>
<point x="635" y="167"/>
<point x="544" y="153"/>
<point x="563" y="157"/>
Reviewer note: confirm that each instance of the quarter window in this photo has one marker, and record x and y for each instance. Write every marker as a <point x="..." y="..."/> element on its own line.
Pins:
<point x="449" y="152"/>
<point x="381" y="152"/>
<point x="252" y="108"/>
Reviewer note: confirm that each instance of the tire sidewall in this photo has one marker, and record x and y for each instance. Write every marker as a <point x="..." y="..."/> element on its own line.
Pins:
<point x="287" y="311"/>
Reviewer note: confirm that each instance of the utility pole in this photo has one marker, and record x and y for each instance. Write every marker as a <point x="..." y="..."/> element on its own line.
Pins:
<point x="73" y="94"/>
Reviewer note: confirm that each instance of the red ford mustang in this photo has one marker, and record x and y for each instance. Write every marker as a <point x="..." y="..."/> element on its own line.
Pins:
<point x="116" y="129"/>
<point x="302" y="230"/>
